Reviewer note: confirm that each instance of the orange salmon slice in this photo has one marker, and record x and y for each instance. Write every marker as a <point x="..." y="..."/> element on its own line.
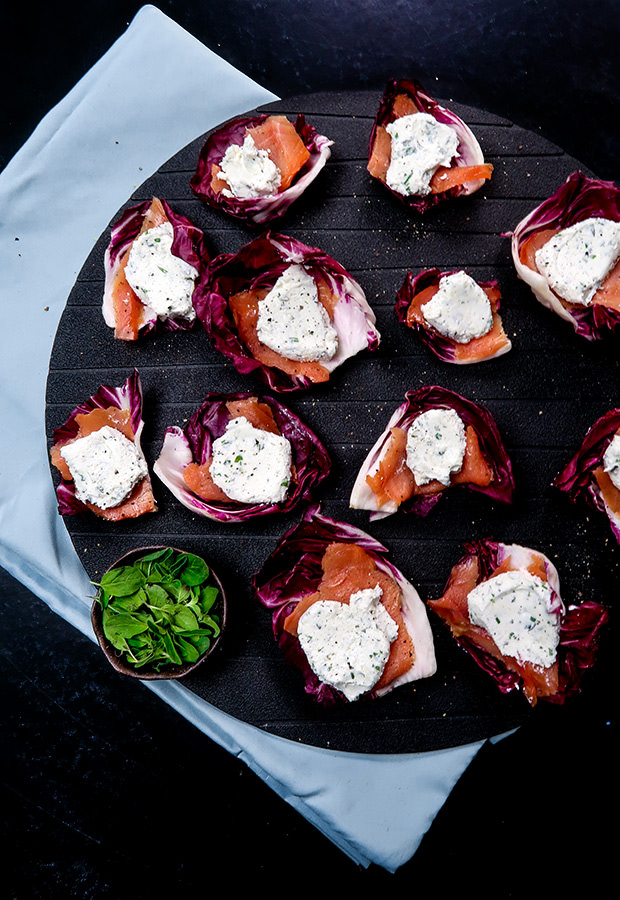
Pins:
<point x="348" y="568"/>
<point x="394" y="480"/>
<point x="452" y="608"/>
<point x="141" y="499"/>
<point x="244" y="307"/>
<point x="198" y="476"/>
<point x="127" y="305"/>
<point x="607" y="295"/>
<point x="480" y="348"/>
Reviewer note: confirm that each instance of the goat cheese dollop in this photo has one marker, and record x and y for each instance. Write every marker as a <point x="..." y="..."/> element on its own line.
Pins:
<point x="611" y="460"/>
<point x="293" y="321"/>
<point x="249" y="172"/>
<point x="516" y="609"/>
<point x="436" y="446"/>
<point x="163" y="282"/>
<point x="577" y="259"/>
<point x="105" y="466"/>
<point x="419" y="145"/>
<point x="348" y="644"/>
<point x="251" y="465"/>
<point x="460" y="310"/>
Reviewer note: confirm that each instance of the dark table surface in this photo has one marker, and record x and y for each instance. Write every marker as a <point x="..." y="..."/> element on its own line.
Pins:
<point x="109" y="793"/>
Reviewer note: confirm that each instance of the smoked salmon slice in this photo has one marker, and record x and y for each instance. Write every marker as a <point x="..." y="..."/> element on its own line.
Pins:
<point x="393" y="480"/>
<point x="348" y="568"/>
<point x="141" y="499"/>
<point x="198" y="476"/>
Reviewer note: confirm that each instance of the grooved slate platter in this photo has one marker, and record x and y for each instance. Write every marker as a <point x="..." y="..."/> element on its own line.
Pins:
<point x="544" y="395"/>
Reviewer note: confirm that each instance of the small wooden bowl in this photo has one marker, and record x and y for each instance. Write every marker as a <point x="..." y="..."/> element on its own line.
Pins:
<point x="144" y="673"/>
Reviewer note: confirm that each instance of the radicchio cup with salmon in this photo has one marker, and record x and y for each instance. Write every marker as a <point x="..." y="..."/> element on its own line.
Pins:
<point x="568" y="251"/>
<point x="152" y="263"/>
<point x="99" y="456"/>
<point x="593" y="473"/>
<point x="455" y="316"/>
<point x="342" y="613"/>
<point x="502" y="604"/>
<point x="285" y="312"/>
<point x="254" y="168"/>
<point x="434" y="441"/>
<point x="422" y="152"/>
<point x="240" y="456"/>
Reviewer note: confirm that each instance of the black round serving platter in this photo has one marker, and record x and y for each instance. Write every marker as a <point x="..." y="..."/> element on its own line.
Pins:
<point x="544" y="394"/>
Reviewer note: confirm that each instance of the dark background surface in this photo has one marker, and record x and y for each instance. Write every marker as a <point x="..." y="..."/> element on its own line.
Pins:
<point x="106" y="791"/>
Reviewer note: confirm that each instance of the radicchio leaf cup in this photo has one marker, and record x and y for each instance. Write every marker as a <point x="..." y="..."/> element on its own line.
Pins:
<point x="188" y="244"/>
<point x="468" y="152"/>
<point x="501" y="487"/>
<point x="263" y="209"/>
<point x="194" y="444"/>
<point x="578" y="478"/>
<point x="128" y="396"/>
<point x="444" y="347"/>
<point x="294" y="570"/>
<point x="579" y="197"/>
<point x="580" y="626"/>
<point x="258" y="265"/>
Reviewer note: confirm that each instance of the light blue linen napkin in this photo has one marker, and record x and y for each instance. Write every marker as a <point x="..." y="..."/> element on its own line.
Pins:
<point x="76" y="170"/>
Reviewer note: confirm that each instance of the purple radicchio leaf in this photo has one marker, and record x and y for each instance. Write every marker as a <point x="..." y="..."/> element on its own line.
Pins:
<point x="579" y="626"/>
<point x="128" y="396"/>
<point x="194" y="444"/>
<point x="468" y="150"/>
<point x="258" y="265"/>
<point x="578" y="198"/>
<point x="294" y="570"/>
<point x="577" y="478"/>
<point x="262" y="209"/>
<point x="188" y="244"/>
<point x="443" y="347"/>
<point x="501" y="487"/>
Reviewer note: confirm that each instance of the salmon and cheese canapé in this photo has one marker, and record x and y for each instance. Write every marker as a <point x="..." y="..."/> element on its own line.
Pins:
<point x="241" y="455"/>
<point x="357" y="628"/>
<point x="151" y="266"/>
<point x="568" y="251"/>
<point x="457" y="317"/>
<point x="98" y="455"/>
<point x="421" y="151"/>
<point x="253" y="168"/>
<point x="434" y="441"/>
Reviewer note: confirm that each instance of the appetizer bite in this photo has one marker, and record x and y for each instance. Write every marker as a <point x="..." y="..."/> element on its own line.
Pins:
<point x="253" y="168"/>
<point x="241" y="456"/>
<point x="502" y="604"/>
<point x="422" y="152"/>
<point x="593" y="474"/>
<point x="434" y="441"/>
<point x="568" y="251"/>
<point x="98" y="454"/>
<point x="330" y="579"/>
<point x="151" y="265"/>
<point x="455" y="316"/>
<point x="287" y="312"/>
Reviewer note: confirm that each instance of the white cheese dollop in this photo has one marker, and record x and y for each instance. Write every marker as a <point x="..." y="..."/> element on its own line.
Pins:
<point x="251" y="465"/>
<point x="164" y="282"/>
<point x="460" y="309"/>
<point x="436" y="445"/>
<point x="105" y="466"/>
<point x="611" y="460"/>
<point x="249" y="172"/>
<point x="515" y="608"/>
<point x="420" y="144"/>
<point x="577" y="259"/>
<point x="348" y="644"/>
<point x="293" y="321"/>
